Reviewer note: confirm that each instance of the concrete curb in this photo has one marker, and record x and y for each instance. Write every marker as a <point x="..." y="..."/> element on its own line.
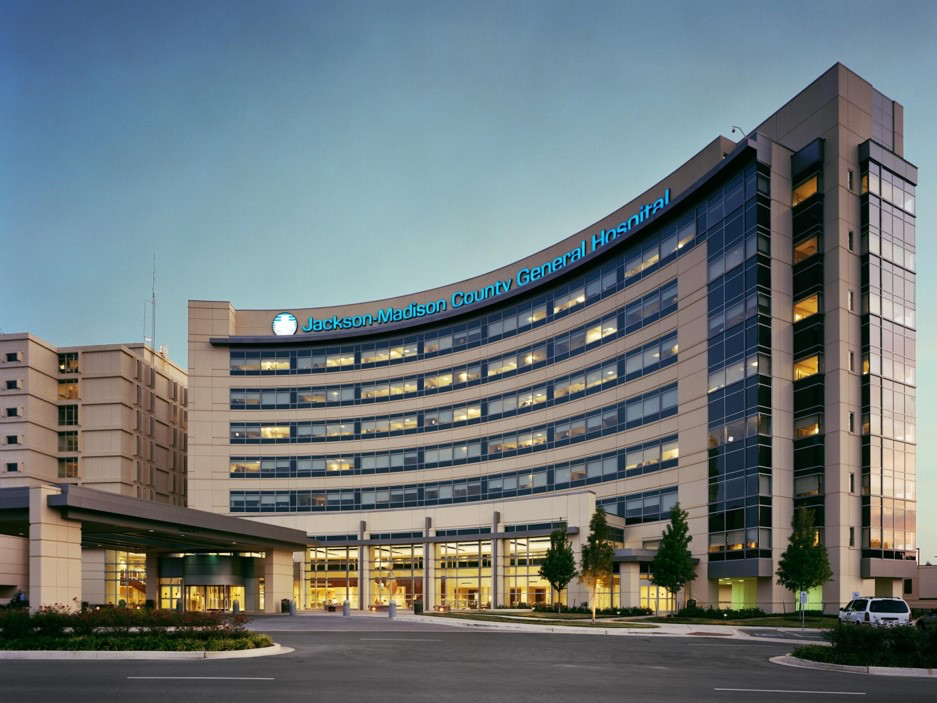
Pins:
<point x="788" y="660"/>
<point x="73" y="655"/>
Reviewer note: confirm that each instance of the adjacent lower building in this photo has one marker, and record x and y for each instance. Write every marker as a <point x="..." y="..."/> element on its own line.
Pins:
<point x="739" y="338"/>
<point x="110" y="417"/>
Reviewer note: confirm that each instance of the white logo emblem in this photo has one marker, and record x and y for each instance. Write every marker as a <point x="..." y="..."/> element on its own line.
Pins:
<point x="285" y="324"/>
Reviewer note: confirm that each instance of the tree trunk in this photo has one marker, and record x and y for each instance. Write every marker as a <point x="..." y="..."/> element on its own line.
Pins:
<point x="593" y="604"/>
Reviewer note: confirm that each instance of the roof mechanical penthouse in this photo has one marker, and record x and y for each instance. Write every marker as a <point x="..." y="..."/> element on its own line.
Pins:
<point x="690" y="346"/>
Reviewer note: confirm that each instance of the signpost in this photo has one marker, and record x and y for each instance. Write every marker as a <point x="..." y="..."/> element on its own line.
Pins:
<point x="803" y="606"/>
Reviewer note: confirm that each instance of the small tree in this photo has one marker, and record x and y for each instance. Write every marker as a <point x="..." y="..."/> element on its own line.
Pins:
<point x="804" y="564"/>
<point x="559" y="563"/>
<point x="673" y="566"/>
<point x="597" y="554"/>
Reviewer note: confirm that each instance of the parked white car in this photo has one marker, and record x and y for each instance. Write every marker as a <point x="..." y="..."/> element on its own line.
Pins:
<point x="876" y="611"/>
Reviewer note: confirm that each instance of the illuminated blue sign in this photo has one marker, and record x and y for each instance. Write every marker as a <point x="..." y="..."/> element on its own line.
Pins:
<point x="462" y="298"/>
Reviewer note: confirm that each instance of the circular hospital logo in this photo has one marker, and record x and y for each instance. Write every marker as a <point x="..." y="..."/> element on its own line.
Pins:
<point x="285" y="324"/>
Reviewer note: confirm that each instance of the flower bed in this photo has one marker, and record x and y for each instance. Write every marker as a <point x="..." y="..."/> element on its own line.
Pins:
<point x="113" y="629"/>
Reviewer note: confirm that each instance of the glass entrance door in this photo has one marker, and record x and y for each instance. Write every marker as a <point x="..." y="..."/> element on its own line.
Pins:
<point x="213" y="598"/>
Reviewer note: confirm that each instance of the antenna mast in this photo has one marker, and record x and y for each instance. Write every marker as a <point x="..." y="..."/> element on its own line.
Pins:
<point x="153" y="318"/>
<point x="151" y="340"/>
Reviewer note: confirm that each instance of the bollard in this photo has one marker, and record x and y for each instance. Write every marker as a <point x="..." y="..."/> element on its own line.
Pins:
<point x="292" y="607"/>
<point x="392" y="609"/>
<point x="237" y="607"/>
<point x="346" y="608"/>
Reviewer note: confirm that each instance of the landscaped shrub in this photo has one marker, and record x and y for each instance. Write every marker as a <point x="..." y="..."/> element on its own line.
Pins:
<point x="694" y="611"/>
<point x="585" y="609"/>
<point x="15" y="623"/>
<point x="51" y="621"/>
<point x="861" y="645"/>
<point x="125" y="628"/>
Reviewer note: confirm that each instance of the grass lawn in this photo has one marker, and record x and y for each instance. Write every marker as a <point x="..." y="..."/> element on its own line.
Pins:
<point x="553" y="616"/>
<point x="561" y="620"/>
<point x="827" y="621"/>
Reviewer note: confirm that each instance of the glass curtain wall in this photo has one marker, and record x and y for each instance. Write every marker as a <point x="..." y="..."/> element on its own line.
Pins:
<point x="463" y="575"/>
<point x="170" y="593"/>
<point x="609" y="595"/>
<point x="396" y="574"/>
<point x="333" y="576"/>
<point x="889" y="402"/>
<point x="124" y="578"/>
<point x="737" y="224"/>
<point x="522" y="582"/>
<point x="657" y="598"/>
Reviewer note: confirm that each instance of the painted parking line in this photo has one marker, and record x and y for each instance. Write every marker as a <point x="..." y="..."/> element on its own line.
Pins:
<point x="205" y="678"/>
<point x="395" y="639"/>
<point x="726" y="644"/>
<point x="782" y="690"/>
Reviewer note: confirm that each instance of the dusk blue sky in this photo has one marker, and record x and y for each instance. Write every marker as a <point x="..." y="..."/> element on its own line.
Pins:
<point x="295" y="154"/>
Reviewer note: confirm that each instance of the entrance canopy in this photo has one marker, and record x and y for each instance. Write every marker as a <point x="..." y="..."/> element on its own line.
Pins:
<point x="111" y="521"/>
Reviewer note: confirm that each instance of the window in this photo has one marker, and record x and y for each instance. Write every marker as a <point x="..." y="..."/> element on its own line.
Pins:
<point x="12" y="467"/>
<point x="670" y="451"/>
<point x="852" y="361"/>
<point x="332" y="360"/>
<point x="808" y="486"/>
<point x="852" y="536"/>
<point x="806" y="248"/>
<point x="68" y="441"/>
<point x="850" y="179"/>
<point x="68" y="363"/>
<point x="12" y="412"/>
<point x="68" y="468"/>
<point x="12" y="356"/>
<point x="806" y="190"/>
<point x="851" y="301"/>
<point x="440" y="381"/>
<point x="68" y="414"/>
<point x="804" y="368"/>
<point x="274" y="432"/>
<point x="851" y="240"/>
<point x="569" y="300"/>
<point x="68" y="390"/>
<point x="12" y="385"/>
<point x="807" y="426"/>
<point x="806" y="307"/>
<point x="852" y="483"/>
<point x="852" y="421"/>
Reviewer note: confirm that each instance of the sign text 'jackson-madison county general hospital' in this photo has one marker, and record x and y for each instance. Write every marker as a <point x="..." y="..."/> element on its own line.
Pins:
<point x="462" y="298"/>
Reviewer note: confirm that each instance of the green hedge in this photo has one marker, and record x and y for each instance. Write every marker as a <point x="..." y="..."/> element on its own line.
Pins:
<point x="168" y="642"/>
<point x="584" y="608"/>
<point x="861" y="645"/>
<point x="695" y="611"/>
<point x="125" y="629"/>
